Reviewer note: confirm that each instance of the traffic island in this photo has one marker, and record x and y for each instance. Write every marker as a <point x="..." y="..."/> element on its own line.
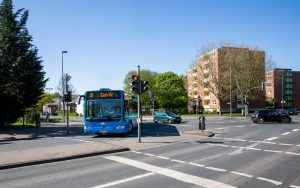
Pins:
<point x="200" y="133"/>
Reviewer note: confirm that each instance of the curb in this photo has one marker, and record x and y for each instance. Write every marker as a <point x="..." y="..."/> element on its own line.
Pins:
<point x="37" y="162"/>
<point x="200" y="133"/>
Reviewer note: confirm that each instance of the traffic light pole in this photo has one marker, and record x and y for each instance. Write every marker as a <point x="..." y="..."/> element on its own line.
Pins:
<point x="139" y="108"/>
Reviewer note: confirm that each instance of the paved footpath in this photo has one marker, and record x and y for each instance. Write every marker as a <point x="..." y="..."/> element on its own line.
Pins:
<point x="32" y="156"/>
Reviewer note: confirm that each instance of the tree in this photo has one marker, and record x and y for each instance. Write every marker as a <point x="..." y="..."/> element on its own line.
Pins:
<point x="248" y="72"/>
<point x="21" y="73"/>
<point x="170" y="91"/>
<point x="70" y="87"/>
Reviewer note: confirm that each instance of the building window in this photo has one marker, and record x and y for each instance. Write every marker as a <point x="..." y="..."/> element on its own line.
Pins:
<point x="214" y="102"/>
<point x="206" y="102"/>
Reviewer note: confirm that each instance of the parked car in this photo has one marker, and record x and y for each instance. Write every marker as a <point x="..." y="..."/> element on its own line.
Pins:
<point x="292" y="111"/>
<point x="262" y="116"/>
<point x="282" y="111"/>
<point x="166" y="117"/>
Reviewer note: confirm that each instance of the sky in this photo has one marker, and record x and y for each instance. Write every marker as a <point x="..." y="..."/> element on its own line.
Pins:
<point x="106" y="39"/>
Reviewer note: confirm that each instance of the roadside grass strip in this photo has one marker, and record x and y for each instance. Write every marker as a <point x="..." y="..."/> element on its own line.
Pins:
<point x="213" y="169"/>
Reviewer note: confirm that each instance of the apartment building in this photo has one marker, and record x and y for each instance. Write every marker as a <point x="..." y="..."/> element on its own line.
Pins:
<point x="209" y="71"/>
<point x="283" y="85"/>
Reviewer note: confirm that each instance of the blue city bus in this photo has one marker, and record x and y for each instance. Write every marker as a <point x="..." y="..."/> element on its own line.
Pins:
<point x="107" y="111"/>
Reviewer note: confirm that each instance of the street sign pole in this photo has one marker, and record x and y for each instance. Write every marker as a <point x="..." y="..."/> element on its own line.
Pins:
<point x="139" y="121"/>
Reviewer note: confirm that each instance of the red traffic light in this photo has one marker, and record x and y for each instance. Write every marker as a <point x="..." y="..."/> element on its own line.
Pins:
<point x="135" y="77"/>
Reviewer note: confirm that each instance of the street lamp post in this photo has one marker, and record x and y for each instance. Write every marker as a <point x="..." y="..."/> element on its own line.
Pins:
<point x="63" y="82"/>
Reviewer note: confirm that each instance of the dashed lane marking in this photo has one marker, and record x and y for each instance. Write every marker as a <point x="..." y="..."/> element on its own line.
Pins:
<point x="272" y="138"/>
<point x="295" y="130"/>
<point x="283" y="144"/>
<point x="196" y="164"/>
<point x="215" y="169"/>
<point x="273" y="151"/>
<point x="240" y="126"/>
<point x="286" y="133"/>
<point x="242" y="174"/>
<point x="178" y="161"/>
<point x="124" y="180"/>
<point x="162" y="157"/>
<point x="196" y="180"/>
<point x="268" y="142"/>
<point x="290" y="153"/>
<point x="294" y="186"/>
<point x="73" y="139"/>
<point x="223" y="128"/>
<point x="253" y="141"/>
<point x="271" y="181"/>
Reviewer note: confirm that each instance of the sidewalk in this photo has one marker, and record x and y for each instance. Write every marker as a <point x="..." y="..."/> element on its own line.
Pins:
<point x="33" y="156"/>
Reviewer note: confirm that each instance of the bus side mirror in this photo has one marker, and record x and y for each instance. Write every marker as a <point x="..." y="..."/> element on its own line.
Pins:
<point x="79" y="99"/>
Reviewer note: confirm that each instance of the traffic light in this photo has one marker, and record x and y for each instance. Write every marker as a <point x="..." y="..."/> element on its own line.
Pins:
<point x="144" y="86"/>
<point x="135" y="85"/>
<point x="68" y="97"/>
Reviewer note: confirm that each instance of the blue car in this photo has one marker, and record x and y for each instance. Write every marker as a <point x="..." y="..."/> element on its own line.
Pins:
<point x="166" y="117"/>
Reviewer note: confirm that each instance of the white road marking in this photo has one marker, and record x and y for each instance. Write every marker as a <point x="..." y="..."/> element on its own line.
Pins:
<point x="286" y="133"/>
<point x="242" y="174"/>
<point x="137" y="152"/>
<point x="237" y="147"/>
<point x="273" y="151"/>
<point x="292" y="153"/>
<point x="295" y="130"/>
<point x="268" y="142"/>
<point x="253" y="149"/>
<point x="216" y="169"/>
<point x="170" y="173"/>
<point x="270" y="139"/>
<point x="73" y="139"/>
<point x="124" y="180"/>
<point x="237" y="139"/>
<point x="162" y="157"/>
<point x="195" y="164"/>
<point x="254" y="141"/>
<point x="222" y="145"/>
<point x="151" y="155"/>
<point x="269" y="180"/>
<point x="178" y="161"/>
<point x="282" y="144"/>
<point x="241" y="126"/>
<point x="223" y="128"/>
<point x="294" y="186"/>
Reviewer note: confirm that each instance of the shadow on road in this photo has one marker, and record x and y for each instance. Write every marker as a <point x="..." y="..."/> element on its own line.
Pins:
<point x="148" y="130"/>
<point x="40" y="132"/>
<point x="56" y="130"/>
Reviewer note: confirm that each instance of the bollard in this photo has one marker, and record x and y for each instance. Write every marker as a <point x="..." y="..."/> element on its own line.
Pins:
<point x="202" y="123"/>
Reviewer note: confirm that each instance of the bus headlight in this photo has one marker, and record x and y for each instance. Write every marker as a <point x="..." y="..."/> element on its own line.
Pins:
<point x="120" y="127"/>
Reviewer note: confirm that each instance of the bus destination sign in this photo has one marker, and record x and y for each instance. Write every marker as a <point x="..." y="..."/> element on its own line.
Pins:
<point x="103" y="95"/>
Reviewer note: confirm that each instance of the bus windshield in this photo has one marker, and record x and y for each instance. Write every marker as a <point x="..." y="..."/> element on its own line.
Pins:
<point x="103" y="110"/>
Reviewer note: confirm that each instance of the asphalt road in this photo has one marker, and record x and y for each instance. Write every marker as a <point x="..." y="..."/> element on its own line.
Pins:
<point x="241" y="154"/>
